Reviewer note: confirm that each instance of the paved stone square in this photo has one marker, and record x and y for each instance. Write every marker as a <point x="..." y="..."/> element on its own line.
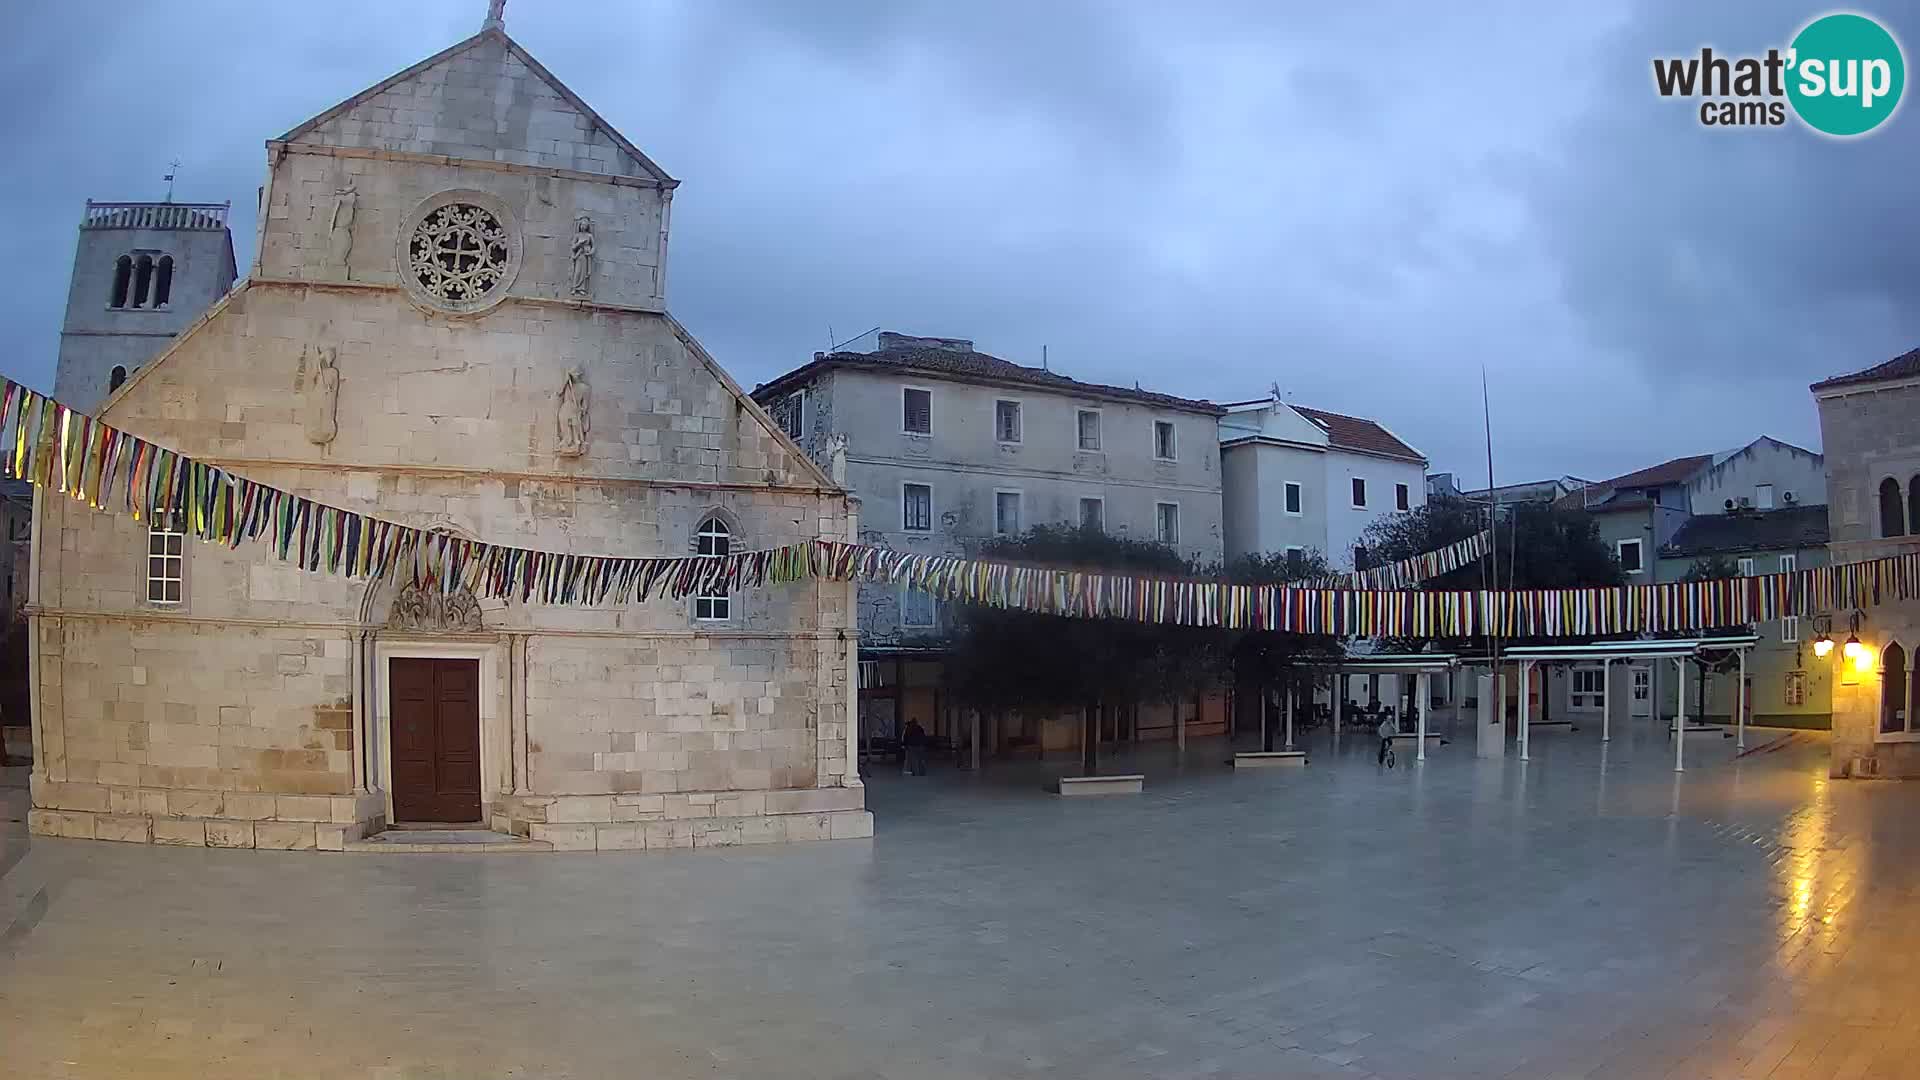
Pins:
<point x="1588" y="914"/>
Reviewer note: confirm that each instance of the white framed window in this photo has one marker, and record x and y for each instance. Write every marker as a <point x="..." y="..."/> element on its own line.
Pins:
<point x="1294" y="501"/>
<point x="1796" y="688"/>
<point x="1789" y="563"/>
<point x="1402" y="498"/>
<point x="1359" y="493"/>
<point x="1763" y="496"/>
<point x="1006" y="421"/>
<point x="712" y="540"/>
<point x="1628" y="551"/>
<point x="1589" y="686"/>
<point x="1165" y="446"/>
<point x="916" y="410"/>
<point x="1087" y="429"/>
<point x="1007" y="517"/>
<point x="916" y="507"/>
<point x="1746" y="567"/>
<point x="792" y="415"/>
<point x="1790" y="629"/>
<point x="918" y="609"/>
<point x="1093" y="514"/>
<point x="166" y="560"/>
<point x="1166" y="522"/>
<point x="1642" y="683"/>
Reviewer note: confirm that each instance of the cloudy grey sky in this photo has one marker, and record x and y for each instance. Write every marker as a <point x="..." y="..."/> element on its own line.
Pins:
<point x="1364" y="203"/>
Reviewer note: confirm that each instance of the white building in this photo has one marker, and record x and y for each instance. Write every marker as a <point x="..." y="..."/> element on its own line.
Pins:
<point x="1294" y="478"/>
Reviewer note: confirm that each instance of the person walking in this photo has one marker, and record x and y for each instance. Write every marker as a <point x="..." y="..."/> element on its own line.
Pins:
<point x="914" y="739"/>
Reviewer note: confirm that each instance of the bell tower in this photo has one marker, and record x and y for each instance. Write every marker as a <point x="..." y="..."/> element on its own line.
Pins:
<point x="142" y="272"/>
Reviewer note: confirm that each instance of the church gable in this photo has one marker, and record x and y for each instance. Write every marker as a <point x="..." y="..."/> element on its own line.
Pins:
<point x="484" y="99"/>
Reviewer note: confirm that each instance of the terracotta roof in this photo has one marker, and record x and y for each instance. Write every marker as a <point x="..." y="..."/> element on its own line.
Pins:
<point x="1677" y="471"/>
<point x="1358" y="433"/>
<point x="968" y="364"/>
<point x="1785" y="529"/>
<point x="1904" y="366"/>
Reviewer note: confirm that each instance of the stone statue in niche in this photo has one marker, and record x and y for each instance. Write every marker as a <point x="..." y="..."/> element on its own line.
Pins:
<point x="425" y="609"/>
<point x="323" y="397"/>
<point x="582" y="254"/>
<point x="571" y="421"/>
<point x="837" y="457"/>
<point x="346" y="203"/>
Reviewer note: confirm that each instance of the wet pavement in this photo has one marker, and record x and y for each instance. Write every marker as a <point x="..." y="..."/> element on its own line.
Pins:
<point x="1588" y="914"/>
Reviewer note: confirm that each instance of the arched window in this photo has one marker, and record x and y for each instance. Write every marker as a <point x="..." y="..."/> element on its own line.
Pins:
<point x="117" y="376"/>
<point x="1913" y="506"/>
<point x="1894" y="716"/>
<point x="122" y="281"/>
<point x="163" y="281"/>
<point x="1891" y="519"/>
<point x="142" y="280"/>
<point x="712" y="540"/>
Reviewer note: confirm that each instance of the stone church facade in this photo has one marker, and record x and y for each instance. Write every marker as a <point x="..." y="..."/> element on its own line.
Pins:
<point x="456" y="319"/>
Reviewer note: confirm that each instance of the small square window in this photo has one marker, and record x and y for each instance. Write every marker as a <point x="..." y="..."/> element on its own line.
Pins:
<point x="916" y="411"/>
<point x="791" y="412"/>
<point x="1401" y="497"/>
<point x="1163" y="440"/>
<point x="1293" y="497"/>
<point x="1796" y="689"/>
<point x="1790" y="629"/>
<point x="1006" y="421"/>
<point x="1746" y="567"/>
<point x="1089" y="430"/>
<point x="1359" y="493"/>
<point x="1006" y="513"/>
<point x="1093" y="514"/>
<point x="1789" y="563"/>
<point x="916" y="508"/>
<point x="1166" y="520"/>
<point x="1629" y="553"/>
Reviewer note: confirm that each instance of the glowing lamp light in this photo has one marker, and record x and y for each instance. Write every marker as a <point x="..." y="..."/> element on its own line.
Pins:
<point x="1823" y="646"/>
<point x="1863" y="661"/>
<point x="1853" y="650"/>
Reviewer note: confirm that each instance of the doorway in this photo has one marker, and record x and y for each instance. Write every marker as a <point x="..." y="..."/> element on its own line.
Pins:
<point x="436" y="739"/>
<point x="1642" y="696"/>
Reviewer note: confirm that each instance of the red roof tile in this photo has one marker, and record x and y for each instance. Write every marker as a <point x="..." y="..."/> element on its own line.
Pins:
<point x="1678" y="471"/>
<point x="1357" y="433"/>
<point x="1904" y="366"/>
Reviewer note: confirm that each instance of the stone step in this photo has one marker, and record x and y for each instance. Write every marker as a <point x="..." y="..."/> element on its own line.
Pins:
<point x="446" y="841"/>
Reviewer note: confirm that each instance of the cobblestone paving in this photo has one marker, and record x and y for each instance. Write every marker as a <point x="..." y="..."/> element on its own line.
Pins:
<point x="1588" y="914"/>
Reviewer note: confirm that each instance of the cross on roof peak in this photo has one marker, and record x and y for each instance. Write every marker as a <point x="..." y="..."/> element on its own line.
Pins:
<point x="496" y="16"/>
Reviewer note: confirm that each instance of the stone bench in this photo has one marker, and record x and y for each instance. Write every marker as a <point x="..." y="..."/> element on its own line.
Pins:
<point x="1269" y="759"/>
<point x="1124" y="784"/>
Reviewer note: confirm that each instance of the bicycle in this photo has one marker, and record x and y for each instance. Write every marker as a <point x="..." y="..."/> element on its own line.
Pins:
<point x="1389" y="755"/>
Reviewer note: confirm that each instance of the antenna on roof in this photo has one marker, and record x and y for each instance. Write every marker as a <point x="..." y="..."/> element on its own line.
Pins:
<point x="849" y="341"/>
<point x="1043" y="359"/>
<point x="1274" y="389"/>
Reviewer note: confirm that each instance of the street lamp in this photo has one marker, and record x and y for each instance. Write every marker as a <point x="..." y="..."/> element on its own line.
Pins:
<point x="1823" y="645"/>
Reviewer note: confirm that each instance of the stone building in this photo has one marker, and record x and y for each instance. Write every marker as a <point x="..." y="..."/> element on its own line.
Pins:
<point x="948" y="447"/>
<point x="1870" y="430"/>
<point x="142" y="272"/>
<point x="456" y="319"/>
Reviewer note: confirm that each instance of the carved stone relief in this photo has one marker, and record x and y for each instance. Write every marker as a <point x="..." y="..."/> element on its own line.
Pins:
<point x="346" y="204"/>
<point x="570" y="421"/>
<point x="428" y="610"/>
<point x="323" y="397"/>
<point x="582" y="255"/>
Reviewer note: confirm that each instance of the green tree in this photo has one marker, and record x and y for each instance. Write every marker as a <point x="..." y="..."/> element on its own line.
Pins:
<point x="1001" y="659"/>
<point x="1269" y="662"/>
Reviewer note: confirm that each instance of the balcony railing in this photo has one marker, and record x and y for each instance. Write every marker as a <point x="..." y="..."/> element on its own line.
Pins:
<point x="155" y="215"/>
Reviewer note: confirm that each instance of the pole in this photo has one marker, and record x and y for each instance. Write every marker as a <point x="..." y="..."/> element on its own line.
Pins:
<point x="1526" y="704"/>
<point x="1421" y="687"/>
<point x="1180" y="725"/>
<point x="1740" y="723"/>
<point x="976" y="740"/>
<point x="1090" y="740"/>
<point x="1289" y="707"/>
<point x="1266" y="725"/>
<point x="1680" y="721"/>
<point x="1339" y="693"/>
<point x="1606" y="701"/>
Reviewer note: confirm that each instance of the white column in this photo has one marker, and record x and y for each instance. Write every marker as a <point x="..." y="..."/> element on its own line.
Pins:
<point x="1423" y="687"/>
<point x="1526" y="704"/>
<point x="1606" y="700"/>
<point x="1339" y="699"/>
<point x="1180" y="725"/>
<point x="1680" y="719"/>
<point x="1289" y="707"/>
<point x="1740" y="722"/>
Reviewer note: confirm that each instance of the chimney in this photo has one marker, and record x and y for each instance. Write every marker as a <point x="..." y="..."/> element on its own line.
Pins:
<point x="891" y="340"/>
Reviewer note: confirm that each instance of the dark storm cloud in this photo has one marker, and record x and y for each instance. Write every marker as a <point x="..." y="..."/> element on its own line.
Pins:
<point x="1362" y="203"/>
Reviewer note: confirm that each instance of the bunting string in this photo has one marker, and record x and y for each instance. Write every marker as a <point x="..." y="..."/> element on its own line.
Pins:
<point x="69" y="453"/>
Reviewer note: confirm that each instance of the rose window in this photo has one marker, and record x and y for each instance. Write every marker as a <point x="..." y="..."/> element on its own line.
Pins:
<point x="459" y="253"/>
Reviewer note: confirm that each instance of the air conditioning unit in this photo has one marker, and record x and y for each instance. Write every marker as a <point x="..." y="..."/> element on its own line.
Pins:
<point x="1745" y="502"/>
<point x="1729" y="504"/>
<point x="1787" y="497"/>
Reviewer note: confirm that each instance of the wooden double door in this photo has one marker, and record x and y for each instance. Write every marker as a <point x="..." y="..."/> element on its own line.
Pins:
<point x="436" y="739"/>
